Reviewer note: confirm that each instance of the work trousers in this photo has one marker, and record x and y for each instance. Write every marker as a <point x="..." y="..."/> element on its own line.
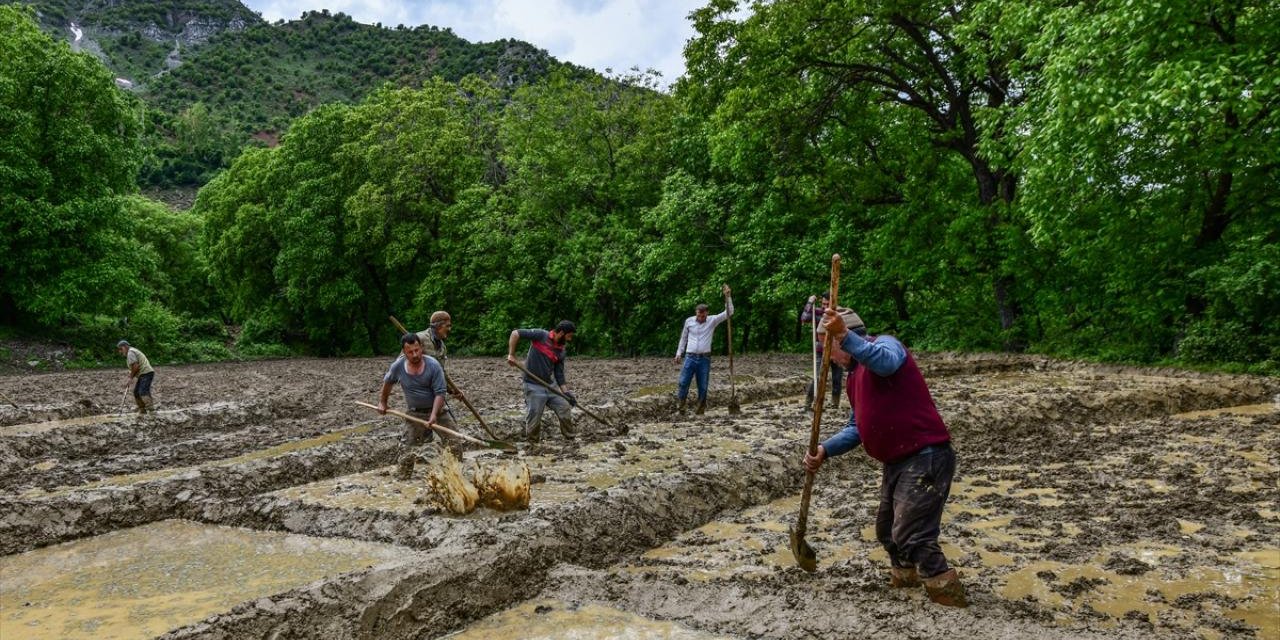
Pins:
<point x="912" y="494"/>
<point x="695" y="364"/>
<point x="416" y="434"/>
<point x="143" y="386"/>
<point x="536" y="399"/>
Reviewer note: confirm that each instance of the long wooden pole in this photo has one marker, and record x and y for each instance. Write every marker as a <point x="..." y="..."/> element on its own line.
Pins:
<point x="495" y="444"/>
<point x="556" y="391"/>
<point x="453" y="388"/>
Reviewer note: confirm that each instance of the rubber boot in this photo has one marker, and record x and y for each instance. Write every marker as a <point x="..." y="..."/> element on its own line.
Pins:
<point x="900" y="578"/>
<point x="680" y="406"/>
<point x="142" y="407"/>
<point x="946" y="589"/>
<point x="702" y="407"/>
<point x="149" y="403"/>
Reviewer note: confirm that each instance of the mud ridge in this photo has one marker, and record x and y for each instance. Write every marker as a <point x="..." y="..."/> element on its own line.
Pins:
<point x="480" y="568"/>
<point x="116" y="434"/>
<point x="32" y="522"/>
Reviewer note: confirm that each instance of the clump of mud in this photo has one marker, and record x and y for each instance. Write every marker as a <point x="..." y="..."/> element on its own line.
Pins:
<point x="449" y="489"/>
<point x="503" y="486"/>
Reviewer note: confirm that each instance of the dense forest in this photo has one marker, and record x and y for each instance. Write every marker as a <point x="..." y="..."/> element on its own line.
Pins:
<point x="1084" y="179"/>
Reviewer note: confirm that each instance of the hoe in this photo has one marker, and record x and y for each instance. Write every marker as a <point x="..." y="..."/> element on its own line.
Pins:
<point x="805" y="556"/>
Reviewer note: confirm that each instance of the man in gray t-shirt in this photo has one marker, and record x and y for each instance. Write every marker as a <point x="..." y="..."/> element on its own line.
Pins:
<point x="422" y="380"/>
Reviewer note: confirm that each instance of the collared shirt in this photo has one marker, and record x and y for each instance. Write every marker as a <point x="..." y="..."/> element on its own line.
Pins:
<point x="433" y="346"/>
<point x="696" y="336"/>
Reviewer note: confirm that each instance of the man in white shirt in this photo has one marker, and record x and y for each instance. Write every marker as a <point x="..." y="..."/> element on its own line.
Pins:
<point x="695" y="348"/>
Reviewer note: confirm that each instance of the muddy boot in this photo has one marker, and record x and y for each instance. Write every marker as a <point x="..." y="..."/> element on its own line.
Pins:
<point x="149" y="403"/>
<point x="142" y="407"/>
<point x="946" y="589"/>
<point x="702" y="407"/>
<point x="900" y="578"/>
<point x="680" y="406"/>
<point x="404" y="469"/>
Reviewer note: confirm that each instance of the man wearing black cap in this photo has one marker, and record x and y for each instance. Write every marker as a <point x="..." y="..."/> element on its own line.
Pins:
<point x="141" y="371"/>
<point x="546" y="361"/>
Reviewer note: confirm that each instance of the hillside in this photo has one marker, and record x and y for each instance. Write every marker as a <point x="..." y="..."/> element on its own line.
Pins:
<point x="264" y="76"/>
<point x="139" y="39"/>
<point x="218" y="78"/>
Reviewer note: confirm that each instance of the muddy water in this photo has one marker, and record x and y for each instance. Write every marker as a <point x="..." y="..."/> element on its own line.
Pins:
<point x="260" y="454"/>
<point x="54" y="425"/>
<point x="139" y="583"/>
<point x="555" y="620"/>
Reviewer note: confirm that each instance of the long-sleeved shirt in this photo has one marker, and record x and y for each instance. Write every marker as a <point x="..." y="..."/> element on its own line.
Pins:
<point x="696" y="336"/>
<point x="811" y="314"/>
<point x="883" y="357"/>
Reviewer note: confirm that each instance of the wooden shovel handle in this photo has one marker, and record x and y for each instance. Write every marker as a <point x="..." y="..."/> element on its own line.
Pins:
<point x="429" y="425"/>
<point x="821" y="391"/>
<point x="548" y="387"/>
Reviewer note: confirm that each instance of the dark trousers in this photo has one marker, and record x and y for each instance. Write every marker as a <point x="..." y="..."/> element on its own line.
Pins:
<point x="143" y="386"/>
<point x="912" y="494"/>
<point x="837" y="387"/>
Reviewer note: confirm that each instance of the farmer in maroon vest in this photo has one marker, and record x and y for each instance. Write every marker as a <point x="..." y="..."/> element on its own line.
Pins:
<point x="895" y="419"/>
<point x="546" y="361"/>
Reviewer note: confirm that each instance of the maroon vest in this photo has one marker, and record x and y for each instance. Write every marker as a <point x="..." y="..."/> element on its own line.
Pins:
<point x="896" y="415"/>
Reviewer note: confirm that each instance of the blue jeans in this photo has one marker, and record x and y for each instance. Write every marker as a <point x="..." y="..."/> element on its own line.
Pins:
<point x="699" y="364"/>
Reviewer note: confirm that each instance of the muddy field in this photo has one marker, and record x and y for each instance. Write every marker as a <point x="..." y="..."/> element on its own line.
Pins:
<point x="260" y="501"/>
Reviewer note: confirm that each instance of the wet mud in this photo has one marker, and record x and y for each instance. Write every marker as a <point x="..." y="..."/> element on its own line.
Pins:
<point x="1089" y="501"/>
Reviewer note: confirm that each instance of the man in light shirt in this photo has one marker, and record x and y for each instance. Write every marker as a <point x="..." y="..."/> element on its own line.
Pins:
<point x="141" y="371"/>
<point x="695" y="348"/>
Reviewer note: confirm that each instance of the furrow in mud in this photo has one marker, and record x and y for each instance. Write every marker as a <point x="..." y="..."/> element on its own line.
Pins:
<point x="485" y="565"/>
<point x="36" y="521"/>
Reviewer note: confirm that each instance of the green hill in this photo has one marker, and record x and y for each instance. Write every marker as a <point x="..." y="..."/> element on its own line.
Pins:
<point x="217" y="77"/>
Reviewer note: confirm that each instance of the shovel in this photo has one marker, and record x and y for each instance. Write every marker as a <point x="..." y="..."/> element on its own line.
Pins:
<point x="734" y="408"/>
<point x="453" y="388"/>
<point x="805" y="556"/>
<point x="492" y="444"/>
<point x="556" y="391"/>
<point x="10" y="401"/>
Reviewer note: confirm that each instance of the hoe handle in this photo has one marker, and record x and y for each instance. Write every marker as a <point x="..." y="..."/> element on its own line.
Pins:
<point x="820" y="394"/>
<point x="548" y="387"/>
<point x="453" y="388"/>
<point x="733" y="387"/>
<point x="431" y="425"/>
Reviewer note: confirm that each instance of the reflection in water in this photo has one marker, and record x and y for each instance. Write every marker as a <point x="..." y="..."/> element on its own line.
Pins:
<point x="556" y="620"/>
<point x="141" y="582"/>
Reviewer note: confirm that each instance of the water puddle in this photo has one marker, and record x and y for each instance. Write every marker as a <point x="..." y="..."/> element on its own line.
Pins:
<point x="557" y="620"/>
<point x="270" y="452"/>
<point x="1237" y="411"/>
<point x="1247" y="590"/>
<point x="562" y="475"/>
<point x="33" y="428"/>
<point x="142" y="582"/>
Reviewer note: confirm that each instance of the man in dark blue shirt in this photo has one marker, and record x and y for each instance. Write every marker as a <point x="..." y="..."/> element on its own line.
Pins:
<point x="546" y="361"/>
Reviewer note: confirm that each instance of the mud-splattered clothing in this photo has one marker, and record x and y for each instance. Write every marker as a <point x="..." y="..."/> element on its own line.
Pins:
<point x="545" y="359"/>
<point x="895" y="418"/>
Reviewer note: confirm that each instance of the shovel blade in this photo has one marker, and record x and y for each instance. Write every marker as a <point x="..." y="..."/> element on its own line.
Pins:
<point x="806" y="557"/>
<point x="734" y="407"/>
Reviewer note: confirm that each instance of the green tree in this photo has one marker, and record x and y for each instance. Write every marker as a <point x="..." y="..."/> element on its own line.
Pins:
<point x="68" y="155"/>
